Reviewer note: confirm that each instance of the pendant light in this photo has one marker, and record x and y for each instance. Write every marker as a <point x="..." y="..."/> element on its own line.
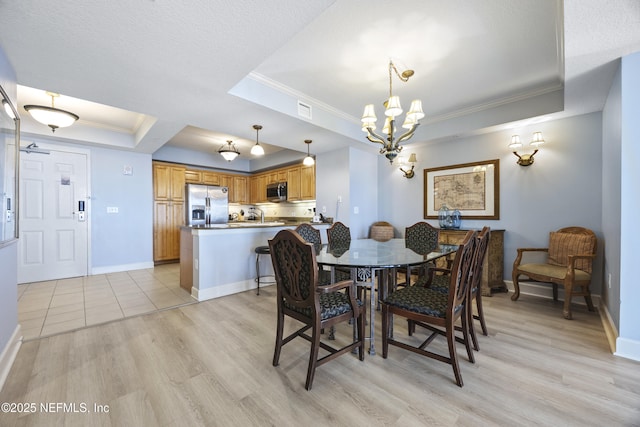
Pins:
<point x="53" y="117"/>
<point x="308" y="161"/>
<point x="229" y="151"/>
<point x="257" y="149"/>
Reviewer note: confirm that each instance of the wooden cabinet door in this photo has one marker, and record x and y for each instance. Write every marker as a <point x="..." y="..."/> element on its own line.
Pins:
<point x="210" y="178"/>
<point x="240" y="189"/>
<point x="308" y="182"/>
<point x="168" y="218"/>
<point x="177" y="183"/>
<point x="282" y="176"/>
<point x="262" y="189"/>
<point x="227" y="181"/>
<point x="161" y="182"/>
<point x="293" y="183"/>
<point x="168" y="182"/>
<point x="193" y="176"/>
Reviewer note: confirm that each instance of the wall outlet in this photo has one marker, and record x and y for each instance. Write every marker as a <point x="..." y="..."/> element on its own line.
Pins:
<point x="356" y="210"/>
<point x="339" y="199"/>
<point x="324" y="209"/>
<point x="112" y="209"/>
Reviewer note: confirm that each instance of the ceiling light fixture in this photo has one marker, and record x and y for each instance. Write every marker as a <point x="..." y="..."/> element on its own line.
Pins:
<point x="390" y="144"/>
<point x="53" y="117"/>
<point x="308" y="161"/>
<point x="8" y="109"/>
<point x="229" y="151"/>
<point x="257" y="149"/>
<point x="526" y="159"/>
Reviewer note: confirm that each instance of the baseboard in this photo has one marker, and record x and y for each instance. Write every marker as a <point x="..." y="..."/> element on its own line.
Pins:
<point x="627" y="348"/>
<point x="546" y="291"/>
<point x="122" y="267"/>
<point x="609" y="327"/>
<point x="622" y="347"/>
<point x="9" y="354"/>
<point x="227" y="289"/>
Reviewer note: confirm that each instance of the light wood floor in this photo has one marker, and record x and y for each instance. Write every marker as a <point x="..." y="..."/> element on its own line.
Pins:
<point x="210" y="364"/>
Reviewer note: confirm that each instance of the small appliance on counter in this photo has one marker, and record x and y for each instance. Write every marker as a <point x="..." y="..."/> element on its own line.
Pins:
<point x="206" y="204"/>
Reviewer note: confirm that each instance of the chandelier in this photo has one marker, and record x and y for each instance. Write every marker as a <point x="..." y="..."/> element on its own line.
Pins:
<point x="390" y="142"/>
<point x="229" y="151"/>
<point x="53" y="117"/>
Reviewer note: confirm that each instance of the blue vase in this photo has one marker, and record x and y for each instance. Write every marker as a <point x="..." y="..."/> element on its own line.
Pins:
<point x="455" y="219"/>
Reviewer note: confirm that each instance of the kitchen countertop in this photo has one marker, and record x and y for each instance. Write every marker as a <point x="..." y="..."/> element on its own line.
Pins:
<point x="253" y="224"/>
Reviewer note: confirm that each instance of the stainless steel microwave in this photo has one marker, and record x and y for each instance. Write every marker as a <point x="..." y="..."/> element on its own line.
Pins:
<point x="277" y="192"/>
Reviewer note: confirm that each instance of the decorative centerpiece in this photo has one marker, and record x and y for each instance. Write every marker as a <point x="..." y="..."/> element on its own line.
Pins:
<point x="449" y="219"/>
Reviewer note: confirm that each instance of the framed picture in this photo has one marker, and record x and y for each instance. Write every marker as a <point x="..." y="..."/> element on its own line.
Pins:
<point x="472" y="188"/>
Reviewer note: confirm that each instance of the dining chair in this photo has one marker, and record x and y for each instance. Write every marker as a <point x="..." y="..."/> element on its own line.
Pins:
<point x="301" y="297"/>
<point x="422" y="238"/>
<point x="435" y="311"/>
<point x="441" y="283"/>
<point x="339" y="238"/>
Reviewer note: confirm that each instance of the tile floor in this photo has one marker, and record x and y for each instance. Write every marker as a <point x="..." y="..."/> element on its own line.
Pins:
<point x="48" y="308"/>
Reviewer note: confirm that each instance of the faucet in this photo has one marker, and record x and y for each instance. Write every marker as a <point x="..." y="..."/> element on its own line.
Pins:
<point x="261" y="214"/>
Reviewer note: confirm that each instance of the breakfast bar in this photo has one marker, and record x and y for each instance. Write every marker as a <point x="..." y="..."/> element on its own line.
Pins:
<point x="219" y="259"/>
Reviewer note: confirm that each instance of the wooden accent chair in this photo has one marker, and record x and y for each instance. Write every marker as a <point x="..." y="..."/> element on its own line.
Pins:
<point x="440" y="282"/>
<point x="569" y="263"/>
<point x="300" y="297"/>
<point x="434" y="310"/>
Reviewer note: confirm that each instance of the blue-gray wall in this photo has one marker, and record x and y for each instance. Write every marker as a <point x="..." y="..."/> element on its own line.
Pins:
<point x="628" y="343"/>
<point x="562" y="188"/>
<point x="8" y="253"/>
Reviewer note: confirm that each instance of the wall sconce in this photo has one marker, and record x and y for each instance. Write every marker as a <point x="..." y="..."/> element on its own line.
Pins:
<point x="526" y="159"/>
<point x="409" y="173"/>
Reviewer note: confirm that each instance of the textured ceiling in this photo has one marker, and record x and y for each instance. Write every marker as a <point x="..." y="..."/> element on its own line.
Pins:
<point x="148" y="73"/>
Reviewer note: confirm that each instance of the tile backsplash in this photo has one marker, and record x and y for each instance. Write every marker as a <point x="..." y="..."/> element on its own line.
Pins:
<point x="278" y="210"/>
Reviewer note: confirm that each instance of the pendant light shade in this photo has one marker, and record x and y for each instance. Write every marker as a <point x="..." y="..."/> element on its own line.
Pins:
<point x="229" y="151"/>
<point x="257" y="149"/>
<point x="53" y="117"/>
<point x="308" y="161"/>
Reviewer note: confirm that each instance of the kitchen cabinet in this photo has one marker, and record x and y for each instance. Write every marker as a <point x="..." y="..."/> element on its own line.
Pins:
<point x="168" y="181"/>
<point x="192" y="176"/>
<point x="308" y="182"/>
<point x="493" y="267"/>
<point x="240" y="189"/>
<point x="293" y="183"/>
<point x="168" y="194"/>
<point x="168" y="218"/>
<point x="210" y="178"/>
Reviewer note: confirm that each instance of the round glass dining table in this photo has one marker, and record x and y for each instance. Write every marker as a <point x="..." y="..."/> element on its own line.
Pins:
<point x="382" y="257"/>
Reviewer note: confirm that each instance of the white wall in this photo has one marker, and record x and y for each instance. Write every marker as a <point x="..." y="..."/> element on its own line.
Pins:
<point x="562" y="188"/>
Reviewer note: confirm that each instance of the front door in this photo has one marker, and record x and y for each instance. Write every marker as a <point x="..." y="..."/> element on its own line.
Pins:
<point x="53" y="225"/>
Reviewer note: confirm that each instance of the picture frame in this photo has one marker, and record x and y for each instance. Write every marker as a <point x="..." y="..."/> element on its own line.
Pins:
<point x="472" y="188"/>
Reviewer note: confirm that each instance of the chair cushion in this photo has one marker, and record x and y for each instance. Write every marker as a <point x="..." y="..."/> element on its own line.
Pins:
<point x="420" y="300"/>
<point x="555" y="271"/>
<point x="439" y="282"/>
<point x="561" y="245"/>
<point x="331" y="305"/>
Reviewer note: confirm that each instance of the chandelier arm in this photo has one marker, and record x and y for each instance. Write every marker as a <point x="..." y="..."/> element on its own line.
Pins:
<point x="408" y="134"/>
<point x="374" y="137"/>
<point x="392" y="65"/>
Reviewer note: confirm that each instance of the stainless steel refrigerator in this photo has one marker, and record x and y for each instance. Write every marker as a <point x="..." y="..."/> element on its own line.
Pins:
<point x="206" y="204"/>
